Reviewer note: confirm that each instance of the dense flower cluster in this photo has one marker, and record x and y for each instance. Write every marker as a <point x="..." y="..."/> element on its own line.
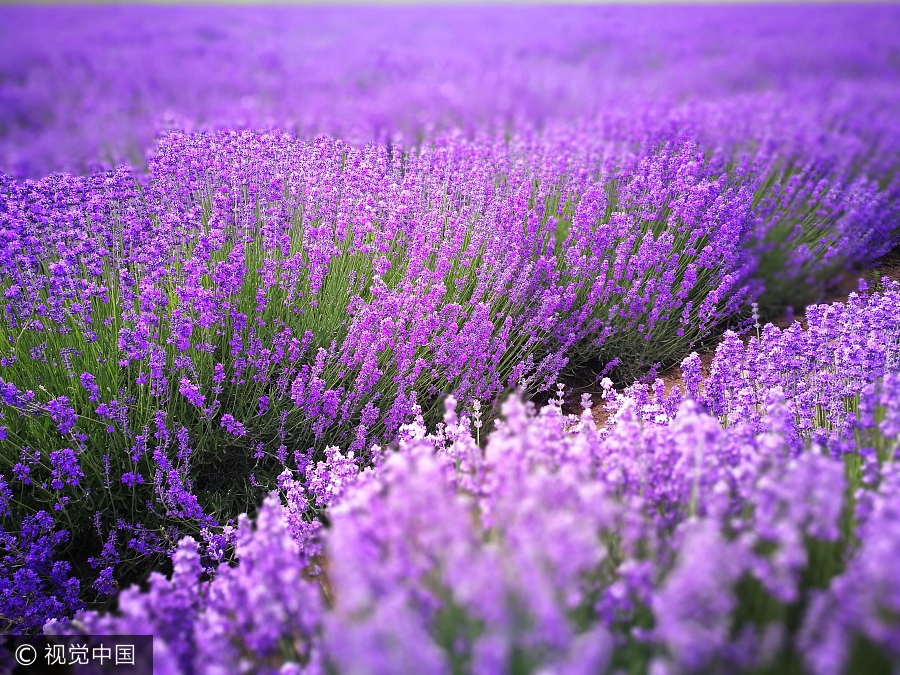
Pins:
<point x="85" y="86"/>
<point x="836" y="372"/>
<point x="257" y="298"/>
<point x="347" y="235"/>
<point x="684" y="546"/>
<point x="34" y="584"/>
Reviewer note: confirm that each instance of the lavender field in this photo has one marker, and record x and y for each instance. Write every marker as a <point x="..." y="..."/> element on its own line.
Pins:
<point x="482" y="339"/>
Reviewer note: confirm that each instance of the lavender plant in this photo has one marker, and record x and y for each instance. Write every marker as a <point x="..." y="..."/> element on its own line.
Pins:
<point x="87" y="86"/>
<point x="259" y="298"/>
<point x="846" y="354"/>
<point x="413" y="228"/>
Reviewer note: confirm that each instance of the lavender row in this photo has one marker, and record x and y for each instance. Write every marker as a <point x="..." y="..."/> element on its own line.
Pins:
<point x="82" y="87"/>
<point x="172" y="344"/>
<point x="845" y="352"/>
<point x="555" y="547"/>
<point x="174" y="341"/>
<point x="675" y="546"/>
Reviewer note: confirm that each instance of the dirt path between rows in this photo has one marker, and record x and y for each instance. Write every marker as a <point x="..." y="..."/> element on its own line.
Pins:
<point x="838" y="291"/>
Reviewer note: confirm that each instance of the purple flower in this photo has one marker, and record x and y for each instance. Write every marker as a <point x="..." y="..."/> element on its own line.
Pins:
<point x="132" y="478"/>
<point x="232" y="426"/>
<point x="191" y="392"/>
<point x="89" y="383"/>
<point x="65" y="468"/>
<point x="62" y="414"/>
